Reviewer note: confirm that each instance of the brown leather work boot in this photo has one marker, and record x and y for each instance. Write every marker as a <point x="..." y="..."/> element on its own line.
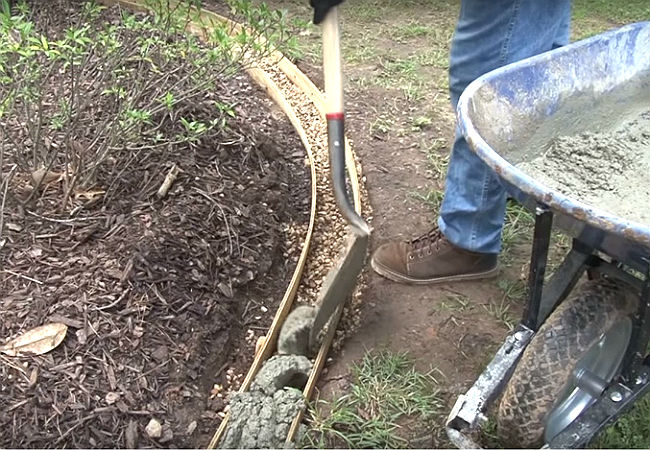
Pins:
<point x="431" y="259"/>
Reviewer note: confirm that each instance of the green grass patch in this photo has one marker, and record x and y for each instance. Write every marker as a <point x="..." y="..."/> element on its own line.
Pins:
<point x="432" y="198"/>
<point x="501" y="313"/>
<point x="412" y="30"/>
<point x="455" y="303"/>
<point x="437" y="157"/>
<point x="436" y="57"/>
<point x="513" y="290"/>
<point x="387" y="390"/>
<point x="632" y="430"/>
<point x="617" y="12"/>
<point x="590" y="17"/>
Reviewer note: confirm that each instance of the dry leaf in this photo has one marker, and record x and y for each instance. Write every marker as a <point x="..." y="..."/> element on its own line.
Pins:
<point x="81" y="336"/>
<point x="43" y="177"/>
<point x="259" y="344"/>
<point x="36" y="341"/>
<point x="33" y="377"/>
<point x="88" y="195"/>
<point x="112" y="397"/>
<point x="14" y="227"/>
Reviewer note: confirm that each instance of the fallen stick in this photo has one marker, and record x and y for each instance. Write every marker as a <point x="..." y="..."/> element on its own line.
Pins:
<point x="169" y="180"/>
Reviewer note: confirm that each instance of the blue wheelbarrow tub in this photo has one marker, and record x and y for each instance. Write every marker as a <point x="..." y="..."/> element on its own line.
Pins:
<point x="500" y="112"/>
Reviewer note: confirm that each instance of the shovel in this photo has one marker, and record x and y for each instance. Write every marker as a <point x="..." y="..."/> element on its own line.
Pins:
<point x="342" y="277"/>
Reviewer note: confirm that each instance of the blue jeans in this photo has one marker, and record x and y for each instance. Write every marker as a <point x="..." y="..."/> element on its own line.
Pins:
<point x="490" y="34"/>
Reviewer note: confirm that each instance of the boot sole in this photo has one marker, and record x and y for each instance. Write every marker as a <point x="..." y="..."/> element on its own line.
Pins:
<point x="398" y="277"/>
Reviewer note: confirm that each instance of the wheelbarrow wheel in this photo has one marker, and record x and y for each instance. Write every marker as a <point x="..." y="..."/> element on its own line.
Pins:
<point x="590" y="330"/>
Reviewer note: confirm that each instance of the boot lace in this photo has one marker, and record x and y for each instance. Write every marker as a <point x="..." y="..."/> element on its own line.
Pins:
<point x="424" y="244"/>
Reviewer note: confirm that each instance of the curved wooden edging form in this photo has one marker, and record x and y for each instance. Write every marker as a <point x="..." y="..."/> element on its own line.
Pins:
<point x="305" y="85"/>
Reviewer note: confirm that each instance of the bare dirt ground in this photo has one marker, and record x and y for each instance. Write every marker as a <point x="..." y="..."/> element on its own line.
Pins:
<point x="401" y="123"/>
<point x="163" y="298"/>
<point x="395" y="150"/>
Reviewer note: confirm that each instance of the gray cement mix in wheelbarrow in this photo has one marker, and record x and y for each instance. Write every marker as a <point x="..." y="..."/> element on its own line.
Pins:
<point x="609" y="169"/>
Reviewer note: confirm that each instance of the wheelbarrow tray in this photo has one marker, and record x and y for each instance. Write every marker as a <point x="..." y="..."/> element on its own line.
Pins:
<point x="507" y="110"/>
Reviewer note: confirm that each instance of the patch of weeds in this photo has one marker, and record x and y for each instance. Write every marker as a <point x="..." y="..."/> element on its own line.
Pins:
<point x="412" y="30"/>
<point x="360" y="49"/>
<point x="402" y="74"/>
<point x="518" y="226"/>
<point x="455" y="303"/>
<point x="513" y="290"/>
<point x="619" y="12"/>
<point x="501" y="312"/>
<point x="432" y="198"/>
<point x="434" y="57"/>
<point x="387" y="389"/>
<point x="413" y="91"/>
<point x="364" y="11"/>
<point x="436" y="159"/>
<point x="632" y="430"/>
<point x="420" y="123"/>
<point x="591" y="17"/>
<point x="560" y="246"/>
<point x="393" y="69"/>
<point x="489" y="435"/>
<point x="382" y="125"/>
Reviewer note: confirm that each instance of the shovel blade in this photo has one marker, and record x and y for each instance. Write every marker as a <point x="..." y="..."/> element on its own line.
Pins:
<point x="340" y="281"/>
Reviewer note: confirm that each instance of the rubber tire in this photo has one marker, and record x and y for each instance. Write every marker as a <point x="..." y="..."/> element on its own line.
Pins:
<point x="550" y="358"/>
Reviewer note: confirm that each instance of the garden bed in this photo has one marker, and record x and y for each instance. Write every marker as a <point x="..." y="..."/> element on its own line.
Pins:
<point x="164" y="294"/>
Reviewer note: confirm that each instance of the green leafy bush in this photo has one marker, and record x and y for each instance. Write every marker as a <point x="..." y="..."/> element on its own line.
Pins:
<point x="110" y="82"/>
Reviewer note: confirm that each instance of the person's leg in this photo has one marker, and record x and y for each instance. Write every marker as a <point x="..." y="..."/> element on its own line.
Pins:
<point x="489" y="34"/>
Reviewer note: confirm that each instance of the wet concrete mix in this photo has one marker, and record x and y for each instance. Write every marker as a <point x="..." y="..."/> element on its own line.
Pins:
<point x="609" y="170"/>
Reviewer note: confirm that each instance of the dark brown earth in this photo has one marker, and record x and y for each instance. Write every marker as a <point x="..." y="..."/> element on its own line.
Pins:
<point x="164" y="299"/>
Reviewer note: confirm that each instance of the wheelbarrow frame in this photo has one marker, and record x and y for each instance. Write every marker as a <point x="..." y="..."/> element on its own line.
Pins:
<point x="602" y="244"/>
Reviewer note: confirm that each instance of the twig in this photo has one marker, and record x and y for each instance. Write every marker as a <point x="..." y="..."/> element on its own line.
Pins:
<point x="169" y="180"/>
<point x="223" y="214"/>
<point x="70" y="222"/>
<point x="22" y="276"/>
<point x="82" y="421"/>
<point x="4" y="196"/>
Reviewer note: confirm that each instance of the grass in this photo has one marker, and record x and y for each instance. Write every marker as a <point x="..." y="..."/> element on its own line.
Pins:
<point x="591" y="17"/>
<point x="382" y="125"/>
<point x="501" y="313"/>
<point x="387" y="390"/>
<point x="513" y="290"/>
<point x="434" y="57"/>
<point x="630" y="431"/>
<point x="412" y="30"/>
<point x="432" y="198"/>
<point x="455" y="303"/>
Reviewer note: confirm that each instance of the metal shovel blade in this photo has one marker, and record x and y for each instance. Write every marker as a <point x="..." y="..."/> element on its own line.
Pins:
<point x="340" y="281"/>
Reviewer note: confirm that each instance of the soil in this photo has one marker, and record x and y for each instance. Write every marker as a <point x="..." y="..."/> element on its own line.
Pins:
<point x="608" y="169"/>
<point x="164" y="299"/>
<point x="458" y="344"/>
<point x="400" y="317"/>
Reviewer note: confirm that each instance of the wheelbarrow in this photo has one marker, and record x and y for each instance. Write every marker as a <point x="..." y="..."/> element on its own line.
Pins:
<point x="579" y="357"/>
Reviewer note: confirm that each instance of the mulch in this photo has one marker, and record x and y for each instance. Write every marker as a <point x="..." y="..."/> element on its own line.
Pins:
<point x="163" y="298"/>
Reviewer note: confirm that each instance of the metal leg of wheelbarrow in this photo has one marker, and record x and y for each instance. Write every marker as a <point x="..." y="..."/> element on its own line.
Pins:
<point x="468" y="411"/>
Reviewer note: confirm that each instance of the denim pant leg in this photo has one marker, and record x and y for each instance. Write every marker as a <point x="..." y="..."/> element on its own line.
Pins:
<point x="490" y="34"/>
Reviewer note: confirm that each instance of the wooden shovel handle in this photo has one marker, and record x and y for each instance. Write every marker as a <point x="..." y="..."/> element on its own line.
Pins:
<point x="332" y="62"/>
